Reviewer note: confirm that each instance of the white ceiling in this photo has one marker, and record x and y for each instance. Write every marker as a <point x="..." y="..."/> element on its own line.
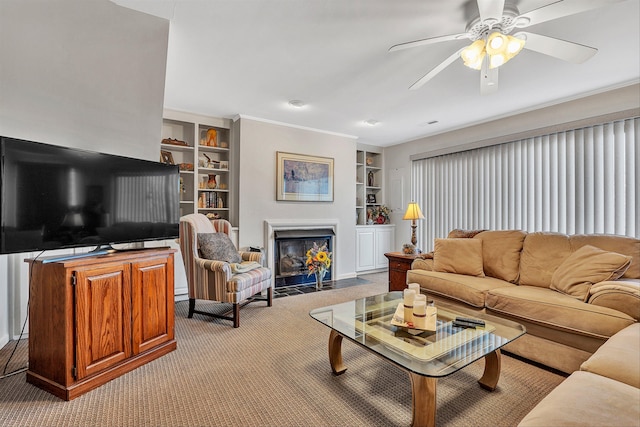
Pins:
<point x="249" y="57"/>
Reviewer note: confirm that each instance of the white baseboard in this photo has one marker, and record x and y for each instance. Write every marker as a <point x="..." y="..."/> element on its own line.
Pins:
<point x="4" y="340"/>
<point x="180" y="297"/>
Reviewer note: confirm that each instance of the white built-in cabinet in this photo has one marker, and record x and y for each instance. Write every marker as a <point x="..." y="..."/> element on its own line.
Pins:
<point x="372" y="242"/>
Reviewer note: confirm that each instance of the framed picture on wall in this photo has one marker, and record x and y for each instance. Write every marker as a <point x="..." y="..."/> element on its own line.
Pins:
<point x="304" y="178"/>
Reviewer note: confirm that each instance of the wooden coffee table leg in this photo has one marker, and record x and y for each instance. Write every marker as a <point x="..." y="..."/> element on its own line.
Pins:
<point x="423" y="396"/>
<point x="335" y="353"/>
<point x="489" y="379"/>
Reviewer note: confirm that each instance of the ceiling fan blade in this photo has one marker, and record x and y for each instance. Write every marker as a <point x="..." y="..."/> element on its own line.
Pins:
<point x="560" y="9"/>
<point x="491" y="9"/>
<point x="561" y="49"/>
<point x="423" y="42"/>
<point x="488" y="78"/>
<point x="431" y="74"/>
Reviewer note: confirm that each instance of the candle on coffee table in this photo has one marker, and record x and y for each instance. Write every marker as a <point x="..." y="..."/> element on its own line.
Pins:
<point x="432" y="316"/>
<point x="420" y="314"/>
<point x="415" y="287"/>
<point x="409" y="296"/>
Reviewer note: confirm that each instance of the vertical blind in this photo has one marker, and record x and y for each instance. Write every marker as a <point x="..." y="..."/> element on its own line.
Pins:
<point x="574" y="182"/>
<point x="145" y="198"/>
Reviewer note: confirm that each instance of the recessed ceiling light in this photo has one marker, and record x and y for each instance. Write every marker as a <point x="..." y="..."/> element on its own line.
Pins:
<point x="296" y="103"/>
<point x="371" y="122"/>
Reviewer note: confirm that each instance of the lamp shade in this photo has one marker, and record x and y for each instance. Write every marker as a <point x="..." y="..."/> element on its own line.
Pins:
<point x="413" y="212"/>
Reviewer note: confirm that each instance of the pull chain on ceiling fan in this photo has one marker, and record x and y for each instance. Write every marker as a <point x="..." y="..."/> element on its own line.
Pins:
<point x="493" y="43"/>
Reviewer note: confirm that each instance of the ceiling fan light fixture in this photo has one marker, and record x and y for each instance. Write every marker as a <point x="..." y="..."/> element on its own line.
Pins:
<point x="497" y="60"/>
<point x="496" y="43"/>
<point x="477" y="63"/>
<point x="501" y="48"/>
<point x="474" y="54"/>
<point x="514" y="46"/>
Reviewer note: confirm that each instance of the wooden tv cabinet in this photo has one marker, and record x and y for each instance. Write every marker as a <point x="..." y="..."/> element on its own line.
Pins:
<point x="93" y="319"/>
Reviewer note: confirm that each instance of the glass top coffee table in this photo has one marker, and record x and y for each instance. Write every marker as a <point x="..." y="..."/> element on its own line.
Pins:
<point x="425" y="355"/>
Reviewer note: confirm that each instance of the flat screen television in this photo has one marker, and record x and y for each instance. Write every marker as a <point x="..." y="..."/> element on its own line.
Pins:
<point x="55" y="197"/>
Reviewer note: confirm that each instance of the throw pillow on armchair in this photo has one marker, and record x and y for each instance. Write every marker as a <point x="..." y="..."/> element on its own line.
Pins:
<point x="219" y="247"/>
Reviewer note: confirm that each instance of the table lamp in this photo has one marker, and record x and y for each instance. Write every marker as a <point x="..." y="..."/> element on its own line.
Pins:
<point x="413" y="213"/>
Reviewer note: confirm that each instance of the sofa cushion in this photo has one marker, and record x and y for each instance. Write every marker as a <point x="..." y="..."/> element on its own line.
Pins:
<point x="586" y="266"/>
<point x="586" y="399"/>
<point x="243" y="281"/>
<point x="555" y="310"/>
<point x="218" y="246"/>
<point x="619" y="357"/>
<point x="620" y="244"/>
<point x="460" y="256"/>
<point x="501" y="253"/>
<point x="467" y="289"/>
<point x="542" y="253"/>
<point x="458" y="233"/>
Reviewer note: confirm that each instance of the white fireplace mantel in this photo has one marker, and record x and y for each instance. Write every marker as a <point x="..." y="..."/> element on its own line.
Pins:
<point x="273" y="225"/>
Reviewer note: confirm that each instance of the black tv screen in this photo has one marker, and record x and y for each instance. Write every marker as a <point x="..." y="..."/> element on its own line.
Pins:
<point x="57" y="197"/>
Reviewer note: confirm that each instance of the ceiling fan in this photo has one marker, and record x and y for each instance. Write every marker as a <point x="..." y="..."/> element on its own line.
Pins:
<point x="496" y="38"/>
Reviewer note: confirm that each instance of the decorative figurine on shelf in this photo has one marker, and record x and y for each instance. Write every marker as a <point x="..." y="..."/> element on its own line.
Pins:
<point x="211" y="184"/>
<point x="209" y="162"/>
<point x="211" y="138"/>
<point x="370" y="179"/>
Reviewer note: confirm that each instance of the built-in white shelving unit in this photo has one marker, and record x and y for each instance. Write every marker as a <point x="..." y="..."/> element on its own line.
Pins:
<point x="369" y="180"/>
<point x="201" y="146"/>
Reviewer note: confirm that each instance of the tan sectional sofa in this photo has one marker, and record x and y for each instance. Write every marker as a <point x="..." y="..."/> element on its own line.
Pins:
<point x="572" y="293"/>
<point x="604" y="392"/>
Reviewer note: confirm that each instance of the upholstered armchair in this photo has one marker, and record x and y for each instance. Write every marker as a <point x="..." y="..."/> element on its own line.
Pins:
<point x="225" y="280"/>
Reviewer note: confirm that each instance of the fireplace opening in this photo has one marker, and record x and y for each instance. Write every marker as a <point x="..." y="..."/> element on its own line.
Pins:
<point x="290" y="252"/>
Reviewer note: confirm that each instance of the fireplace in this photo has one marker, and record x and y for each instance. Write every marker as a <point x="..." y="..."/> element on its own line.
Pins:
<point x="271" y="226"/>
<point x="290" y="249"/>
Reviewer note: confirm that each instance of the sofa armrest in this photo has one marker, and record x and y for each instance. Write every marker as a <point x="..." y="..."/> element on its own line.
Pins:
<point x="422" y="264"/>
<point x="622" y="295"/>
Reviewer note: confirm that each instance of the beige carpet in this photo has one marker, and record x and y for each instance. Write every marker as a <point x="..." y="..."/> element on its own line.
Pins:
<point x="272" y="371"/>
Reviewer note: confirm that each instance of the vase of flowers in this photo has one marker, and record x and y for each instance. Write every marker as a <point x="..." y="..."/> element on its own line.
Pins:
<point x="379" y="214"/>
<point x="318" y="261"/>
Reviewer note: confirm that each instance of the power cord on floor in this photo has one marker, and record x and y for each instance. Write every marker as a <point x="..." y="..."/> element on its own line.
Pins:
<point x="15" y="347"/>
<point x="24" y="325"/>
